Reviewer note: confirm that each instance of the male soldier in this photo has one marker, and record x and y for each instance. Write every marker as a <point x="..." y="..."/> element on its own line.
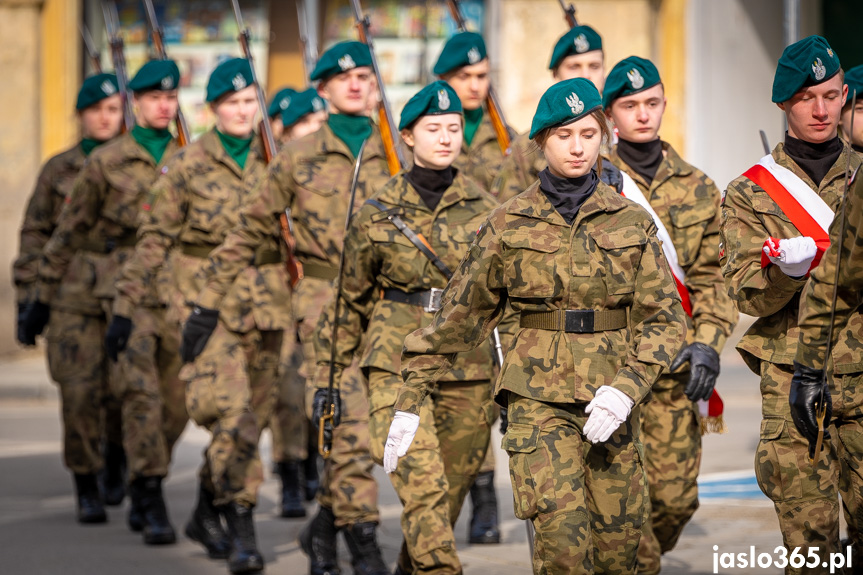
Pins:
<point x="684" y="202"/>
<point x="312" y="176"/>
<point x="770" y="245"/>
<point x="577" y="54"/>
<point x="278" y="104"/>
<point x="70" y="355"/>
<point x="853" y="134"/>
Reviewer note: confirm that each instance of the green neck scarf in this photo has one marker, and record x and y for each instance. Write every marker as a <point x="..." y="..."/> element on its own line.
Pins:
<point x="237" y="148"/>
<point x="472" y="120"/>
<point x="153" y="140"/>
<point x="352" y="130"/>
<point x="89" y="144"/>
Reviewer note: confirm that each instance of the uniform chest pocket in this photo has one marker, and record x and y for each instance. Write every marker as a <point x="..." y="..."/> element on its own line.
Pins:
<point x="688" y="225"/>
<point x="764" y="204"/>
<point x="400" y="260"/>
<point x="212" y="204"/>
<point x="529" y="263"/>
<point x="619" y="256"/>
<point x="126" y="193"/>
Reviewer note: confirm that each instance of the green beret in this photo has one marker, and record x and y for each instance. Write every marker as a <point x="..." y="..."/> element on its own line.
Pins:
<point x="578" y="40"/>
<point x="435" y="99"/>
<point x="280" y="102"/>
<point x="230" y="76"/>
<point x="156" y="75"/>
<point x="340" y="58"/>
<point x="565" y="103"/>
<point x="854" y="79"/>
<point x="96" y="88"/>
<point x="629" y="76"/>
<point x="805" y="63"/>
<point x="463" y="49"/>
<point x="303" y="103"/>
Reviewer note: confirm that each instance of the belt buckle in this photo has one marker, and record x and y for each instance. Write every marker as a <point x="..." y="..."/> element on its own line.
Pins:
<point x="433" y="303"/>
<point x="579" y="321"/>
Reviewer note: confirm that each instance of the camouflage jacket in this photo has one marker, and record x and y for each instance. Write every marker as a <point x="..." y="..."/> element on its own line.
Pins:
<point x="379" y="257"/>
<point x="101" y="218"/>
<point x="194" y="205"/>
<point x="53" y="186"/>
<point x="526" y="254"/>
<point x="481" y="160"/>
<point x="817" y="299"/>
<point x="312" y="176"/>
<point x="687" y="202"/>
<point x="749" y="217"/>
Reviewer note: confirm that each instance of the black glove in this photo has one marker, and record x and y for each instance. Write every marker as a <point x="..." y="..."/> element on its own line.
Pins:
<point x="197" y="331"/>
<point x="504" y="420"/>
<point x="703" y="370"/>
<point x="319" y="406"/>
<point x="611" y="176"/>
<point x="117" y="336"/>
<point x="36" y="316"/>
<point x="806" y="387"/>
<point x="22" y="317"/>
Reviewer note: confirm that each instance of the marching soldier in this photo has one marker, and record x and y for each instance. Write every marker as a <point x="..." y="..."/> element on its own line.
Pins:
<point x="100" y="222"/>
<point x="583" y="358"/>
<point x="684" y="204"/>
<point x="435" y="200"/>
<point x="71" y="354"/>
<point x="312" y="176"/>
<point x="769" y="247"/>
<point x="853" y="134"/>
<point x="278" y="104"/>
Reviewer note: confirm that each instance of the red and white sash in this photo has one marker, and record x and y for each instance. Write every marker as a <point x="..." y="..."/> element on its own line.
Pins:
<point x="710" y="410"/>
<point x="804" y="207"/>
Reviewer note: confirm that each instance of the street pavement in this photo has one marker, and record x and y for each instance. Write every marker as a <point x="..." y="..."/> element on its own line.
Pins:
<point x="39" y="534"/>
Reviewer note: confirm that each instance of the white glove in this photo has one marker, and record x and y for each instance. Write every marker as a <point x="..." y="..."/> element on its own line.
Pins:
<point x="610" y="407"/>
<point x="795" y="255"/>
<point x="402" y="431"/>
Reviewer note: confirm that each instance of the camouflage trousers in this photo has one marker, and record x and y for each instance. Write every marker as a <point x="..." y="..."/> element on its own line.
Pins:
<point x="434" y="477"/>
<point x="91" y="413"/>
<point x="806" y="496"/>
<point x="230" y="390"/>
<point x="587" y="502"/>
<point x="347" y="485"/>
<point x="671" y="434"/>
<point x="289" y="424"/>
<point x="152" y="394"/>
<point x="488" y="463"/>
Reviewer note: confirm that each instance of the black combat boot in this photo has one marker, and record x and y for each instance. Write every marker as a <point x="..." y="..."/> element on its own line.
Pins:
<point x="114" y="474"/>
<point x="244" y="557"/>
<point x="135" y="518"/>
<point x="318" y="541"/>
<point x="292" y="501"/>
<point x="310" y="471"/>
<point x="205" y="527"/>
<point x="90" y="508"/>
<point x="363" y="544"/>
<point x="156" y="525"/>
<point x="483" y="523"/>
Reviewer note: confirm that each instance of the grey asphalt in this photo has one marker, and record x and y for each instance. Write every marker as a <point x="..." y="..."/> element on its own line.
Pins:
<point x="38" y="533"/>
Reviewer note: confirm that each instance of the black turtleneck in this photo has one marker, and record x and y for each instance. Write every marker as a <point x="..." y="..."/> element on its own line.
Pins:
<point x="856" y="148"/>
<point x="567" y="194"/>
<point x="643" y="158"/>
<point x="815" y="159"/>
<point x="431" y="184"/>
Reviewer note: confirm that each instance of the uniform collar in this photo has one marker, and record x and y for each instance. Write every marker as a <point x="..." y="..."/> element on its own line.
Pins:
<point x="214" y="148"/>
<point x="402" y="194"/>
<point x="533" y="204"/>
<point x="836" y="171"/>
<point x="672" y="166"/>
<point x="326" y="142"/>
<point x="484" y="133"/>
<point x="131" y="149"/>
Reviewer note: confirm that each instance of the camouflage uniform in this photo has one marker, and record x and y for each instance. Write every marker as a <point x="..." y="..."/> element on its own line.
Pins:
<point x="805" y="498"/>
<point x="289" y="423"/>
<point x="527" y="254"/>
<point x="230" y="385"/>
<point x="481" y="160"/>
<point x="312" y="176"/>
<point x="94" y="235"/>
<point x="687" y="202"/>
<point x="433" y="479"/>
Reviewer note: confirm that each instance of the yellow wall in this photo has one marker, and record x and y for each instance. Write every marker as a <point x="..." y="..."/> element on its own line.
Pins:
<point x="671" y="62"/>
<point x="59" y="74"/>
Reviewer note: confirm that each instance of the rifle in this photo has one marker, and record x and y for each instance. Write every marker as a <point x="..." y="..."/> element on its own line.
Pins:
<point x="764" y="141"/>
<point x="159" y="44"/>
<point x="395" y="159"/>
<point x="90" y="47"/>
<point x="821" y="408"/>
<point x="569" y="14"/>
<point x="495" y="112"/>
<point x="309" y="52"/>
<point x="112" y="24"/>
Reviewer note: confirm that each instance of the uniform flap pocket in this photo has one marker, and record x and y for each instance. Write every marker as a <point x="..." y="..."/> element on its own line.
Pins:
<point x="689" y="215"/>
<point x="536" y="240"/>
<point x="520" y="438"/>
<point x="386" y="233"/>
<point x="764" y="204"/>
<point x="624" y="238"/>
<point x="772" y="428"/>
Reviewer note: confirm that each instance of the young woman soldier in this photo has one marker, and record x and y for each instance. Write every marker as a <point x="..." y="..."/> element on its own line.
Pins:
<point x="389" y="289"/>
<point x="600" y="318"/>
